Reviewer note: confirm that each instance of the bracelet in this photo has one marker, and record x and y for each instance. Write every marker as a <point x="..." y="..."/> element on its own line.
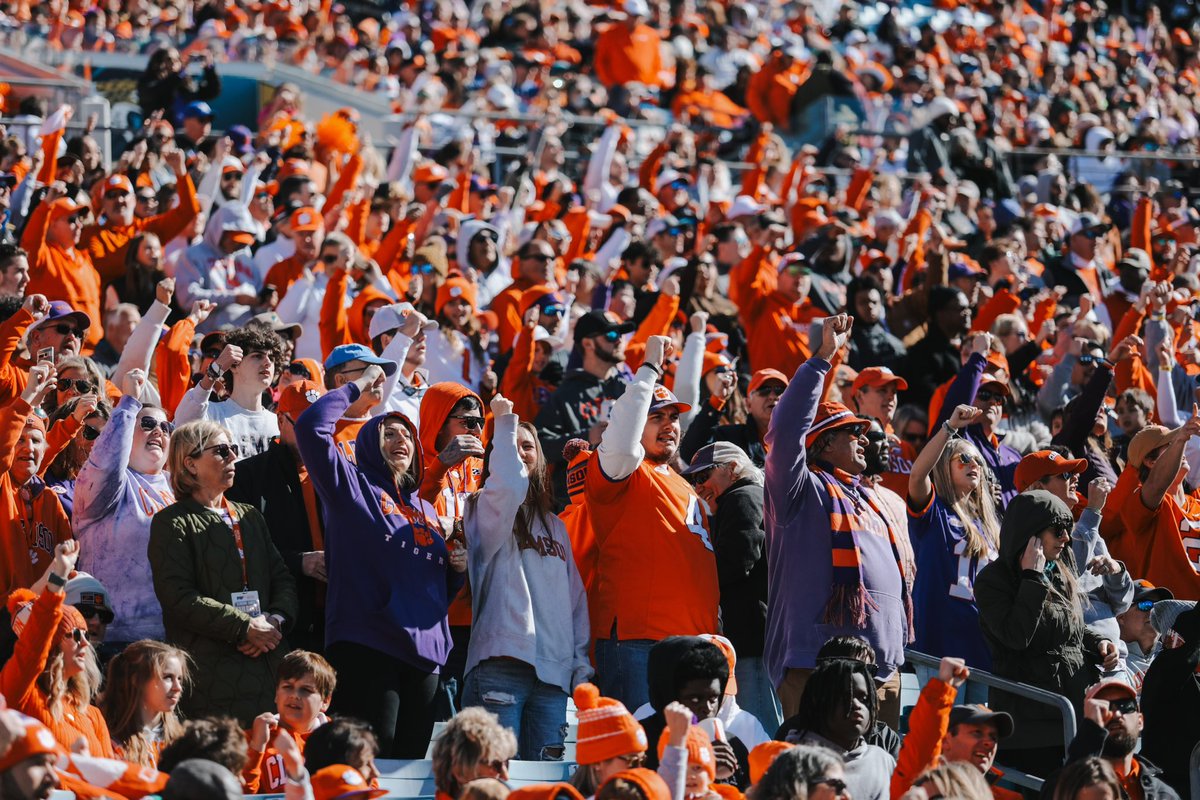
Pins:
<point x="213" y="371"/>
<point x="657" y="370"/>
<point x="949" y="429"/>
<point x="56" y="581"/>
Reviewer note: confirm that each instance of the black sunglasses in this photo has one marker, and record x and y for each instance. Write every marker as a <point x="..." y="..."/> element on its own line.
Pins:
<point x="912" y="438"/>
<point x="90" y="612"/>
<point x="150" y="423"/>
<point x="697" y="478"/>
<point x="79" y="385"/>
<point x="329" y="258"/>
<point x="1090" y="359"/>
<point x="988" y="397"/>
<point x="78" y="635"/>
<point x="767" y="391"/>
<point x="221" y="451"/>
<point x="468" y="420"/>
<point x="537" y="257"/>
<point x="90" y="434"/>
<point x="114" y="195"/>
<point x="147" y="198"/>
<point x="1126" y="705"/>
<point x="66" y="330"/>
<point x="1145" y="605"/>
<point x="299" y="370"/>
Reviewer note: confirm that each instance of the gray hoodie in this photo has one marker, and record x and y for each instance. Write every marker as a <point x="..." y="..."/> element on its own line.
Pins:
<point x="204" y="272"/>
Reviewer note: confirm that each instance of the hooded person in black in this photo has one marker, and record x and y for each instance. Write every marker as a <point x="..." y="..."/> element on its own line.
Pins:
<point x="1031" y="613"/>
<point x="1171" y="702"/>
<point x="694" y="672"/>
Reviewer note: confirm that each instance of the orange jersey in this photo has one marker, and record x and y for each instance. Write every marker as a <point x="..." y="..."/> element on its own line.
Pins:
<point x="1169" y="536"/>
<point x="62" y="273"/>
<point x="624" y="56"/>
<point x="264" y="772"/>
<point x="642" y="524"/>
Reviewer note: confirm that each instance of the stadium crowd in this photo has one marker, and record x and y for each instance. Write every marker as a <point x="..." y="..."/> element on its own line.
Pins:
<point x="311" y="442"/>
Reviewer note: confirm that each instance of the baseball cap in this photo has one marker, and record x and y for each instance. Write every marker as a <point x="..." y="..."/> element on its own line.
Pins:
<point x="598" y="323"/>
<point x="961" y="269"/>
<point x="1110" y="683"/>
<point x="790" y="259"/>
<point x="670" y="176"/>
<point x="297" y="397"/>
<point x="1145" y="590"/>
<point x="306" y="218"/>
<point x="877" y="378"/>
<point x="86" y="590"/>
<point x="61" y="310"/>
<point x="345" y="353"/>
<point x="744" y="205"/>
<point x="65" y="207"/>
<point x="390" y="318"/>
<point x="713" y="455"/>
<point x="1137" y="258"/>
<point x="665" y="398"/>
<point x="430" y="172"/>
<point x="1087" y="222"/>
<point x="830" y="417"/>
<point x="37" y="740"/>
<point x="272" y="320"/>
<point x="982" y="715"/>
<point x="198" y="109"/>
<point x="1042" y="464"/>
<point x="342" y="782"/>
<point x="198" y="779"/>
<point x="762" y="376"/>
<point x="1145" y="441"/>
<point x="995" y="381"/>
<point x="118" y="183"/>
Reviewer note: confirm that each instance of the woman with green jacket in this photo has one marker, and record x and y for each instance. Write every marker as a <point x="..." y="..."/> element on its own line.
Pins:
<point x="226" y="594"/>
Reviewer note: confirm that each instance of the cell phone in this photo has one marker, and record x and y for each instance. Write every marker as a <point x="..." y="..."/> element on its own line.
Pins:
<point x="816" y="333"/>
<point x="46" y="354"/>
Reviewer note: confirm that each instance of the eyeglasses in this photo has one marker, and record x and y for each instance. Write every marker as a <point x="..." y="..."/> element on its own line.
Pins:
<point x="836" y="785"/>
<point x="90" y="434"/>
<point x="299" y="370"/>
<point x="1126" y="705"/>
<point x="66" y="330"/>
<point x="468" y="421"/>
<point x="697" y="478"/>
<point x="80" y="386"/>
<point x="222" y="451"/>
<point x="768" y="391"/>
<point x="983" y="396"/>
<point x="90" y="612"/>
<point x="150" y="423"/>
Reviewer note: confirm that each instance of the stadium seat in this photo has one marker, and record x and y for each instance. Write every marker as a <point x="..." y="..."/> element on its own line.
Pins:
<point x="406" y="778"/>
<point x="523" y="773"/>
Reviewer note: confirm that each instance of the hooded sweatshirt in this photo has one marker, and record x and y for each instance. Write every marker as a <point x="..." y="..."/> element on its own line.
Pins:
<point x="390" y="580"/>
<point x="1098" y="170"/>
<point x="492" y="283"/>
<point x="113" y="508"/>
<point x="661" y="668"/>
<point x="1171" y="702"/>
<point x="528" y="602"/>
<point x="205" y="272"/>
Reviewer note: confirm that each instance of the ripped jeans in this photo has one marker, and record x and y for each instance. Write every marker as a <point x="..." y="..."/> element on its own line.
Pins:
<point x="536" y="712"/>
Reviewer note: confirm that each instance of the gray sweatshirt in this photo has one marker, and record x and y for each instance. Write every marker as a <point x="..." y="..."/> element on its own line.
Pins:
<point x="528" y="604"/>
<point x="113" y="507"/>
<point x="868" y="767"/>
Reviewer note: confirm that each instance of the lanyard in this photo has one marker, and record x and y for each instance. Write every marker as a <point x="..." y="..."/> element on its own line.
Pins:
<point x="237" y="538"/>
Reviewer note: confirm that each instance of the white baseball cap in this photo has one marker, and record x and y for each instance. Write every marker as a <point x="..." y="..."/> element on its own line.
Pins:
<point x="390" y="318"/>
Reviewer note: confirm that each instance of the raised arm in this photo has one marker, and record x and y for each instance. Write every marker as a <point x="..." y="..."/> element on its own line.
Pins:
<point x="104" y="475"/>
<point x="18" y="678"/>
<point x="963" y="388"/>
<point x="920" y="486"/>
<point x="328" y="468"/>
<point x="1163" y="473"/>
<point x="497" y="504"/>
<point x="195" y="402"/>
<point x="688" y="372"/>
<point x="139" y="350"/>
<point x="620" y="450"/>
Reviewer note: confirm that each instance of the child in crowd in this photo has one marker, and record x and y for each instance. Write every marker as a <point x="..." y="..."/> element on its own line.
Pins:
<point x="141" y="698"/>
<point x="303" y="688"/>
<point x="216" y="739"/>
<point x="343" y="741"/>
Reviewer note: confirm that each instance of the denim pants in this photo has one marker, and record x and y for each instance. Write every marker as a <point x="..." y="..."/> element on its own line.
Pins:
<point x="621" y="667"/>
<point x="756" y="695"/>
<point x="535" y="711"/>
<point x="968" y="694"/>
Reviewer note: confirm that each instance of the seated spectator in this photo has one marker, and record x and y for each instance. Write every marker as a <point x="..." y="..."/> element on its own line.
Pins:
<point x="802" y="771"/>
<point x="304" y="685"/>
<point x="956" y="779"/>
<point x="236" y="645"/>
<point x="143" y="687"/>
<point x="473" y="745"/>
<point x="609" y="739"/>
<point x="216" y="739"/>
<point x="1137" y="630"/>
<point x="634" y="784"/>
<point x="343" y="741"/>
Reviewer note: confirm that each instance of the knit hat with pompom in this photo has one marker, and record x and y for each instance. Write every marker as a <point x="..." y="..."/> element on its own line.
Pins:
<point x="20" y="608"/>
<point x="606" y="728"/>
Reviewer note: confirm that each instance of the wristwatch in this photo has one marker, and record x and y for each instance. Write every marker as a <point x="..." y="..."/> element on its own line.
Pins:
<point x="213" y="372"/>
<point x="950" y="430"/>
<point x="55" y="580"/>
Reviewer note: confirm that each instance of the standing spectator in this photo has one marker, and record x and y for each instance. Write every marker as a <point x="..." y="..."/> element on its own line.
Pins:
<point x="628" y="52"/>
<point x="872" y="343"/>
<point x="955" y="532"/>
<point x="762" y="395"/>
<point x="14" y="263"/>
<point x="523" y="581"/>
<point x="220" y="269"/>
<point x="204" y="549"/>
<point x="629" y="486"/>
<point x="726" y="480"/>
<point x="834" y="565"/>
<point x="166" y="87"/>
<point x="277" y="483"/>
<point x="120" y="488"/>
<point x="1031" y="612"/>
<point x="389" y="544"/>
<point x="935" y="358"/>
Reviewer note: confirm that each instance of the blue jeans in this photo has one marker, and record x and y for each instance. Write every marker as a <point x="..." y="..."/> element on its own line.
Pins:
<point x="621" y="667"/>
<point x="536" y="712"/>
<point x="756" y="695"/>
<point x="968" y="694"/>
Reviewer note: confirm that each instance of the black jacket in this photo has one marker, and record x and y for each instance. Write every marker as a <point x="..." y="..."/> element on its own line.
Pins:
<point x="1033" y="638"/>
<point x="930" y="362"/>
<point x="155" y="94"/>
<point x="576" y="405"/>
<point x="704" y="430"/>
<point x="1171" y="704"/>
<point x="738" y="540"/>
<point x="872" y="346"/>
<point x="1089" y="741"/>
<point x="270" y="481"/>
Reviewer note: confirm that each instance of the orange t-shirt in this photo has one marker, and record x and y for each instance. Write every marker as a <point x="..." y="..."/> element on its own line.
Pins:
<point x="656" y="572"/>
<point x="1169" y="537"/>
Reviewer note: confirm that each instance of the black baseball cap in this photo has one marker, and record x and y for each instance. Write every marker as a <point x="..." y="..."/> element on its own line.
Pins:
<point x="598" y="323"/>
<point x="1145" y="590"/>
<point x="982" y="715"/>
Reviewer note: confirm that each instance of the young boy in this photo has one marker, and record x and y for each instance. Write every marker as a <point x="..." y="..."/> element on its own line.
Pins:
<point x="304" y="685"/>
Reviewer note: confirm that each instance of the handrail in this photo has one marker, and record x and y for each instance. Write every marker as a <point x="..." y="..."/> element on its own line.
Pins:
<point x="1012" y="687"/>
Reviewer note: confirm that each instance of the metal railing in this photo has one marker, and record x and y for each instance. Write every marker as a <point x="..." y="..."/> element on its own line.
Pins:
<point x="1056" y="701"/>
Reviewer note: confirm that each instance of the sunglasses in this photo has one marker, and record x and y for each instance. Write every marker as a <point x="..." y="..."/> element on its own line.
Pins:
<point x="75" y="219"/>
<point x="468" y="421"/>
<point x="1062" y="533"/>
<point x="1144" y="605"/>
<point x="232" y="176"/>
<point x="1093" y="234"/>
<point x="966" y="459"/>
<point x="422" y="269"/>
<point x="768" y="391"/>
<point x="80" y="386"/>
<point x="912" y="438"/>
<point x="836" y="785"/>
<point x="66" y="330"/>
<point x="1126" y="705"/>
<point x="299" y="370"/>
<point x="554" y="311"/>
<point x="497" y="765"/>
<point x="150" y="423"/>
<point x="147" y="198"/>
<point x="411" y="391"/>
<point x="1090" y="359"/>
<point x="538" y="257"/>
<point x="90" y="434"/>
<point x="697" y="478"/>
<point x="78" y="635"/>
<point x="222" y="451"/>
<point x="329" y="258"/>
<point x="988" y="397"/>
<point x="796" y="271"/>
<point x="90" y="612"/>
<point x="633" y="760"/>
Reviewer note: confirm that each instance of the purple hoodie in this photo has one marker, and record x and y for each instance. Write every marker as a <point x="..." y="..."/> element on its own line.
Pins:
<point x="800" y="550"/>
<point x="390" y="581"/>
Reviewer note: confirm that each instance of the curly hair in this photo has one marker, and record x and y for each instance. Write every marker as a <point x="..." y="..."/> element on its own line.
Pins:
<point x="218" y="739"/>
<point x="256" y="339"/>
<point x="473" y="735"/>
<point x="791" y="773"/>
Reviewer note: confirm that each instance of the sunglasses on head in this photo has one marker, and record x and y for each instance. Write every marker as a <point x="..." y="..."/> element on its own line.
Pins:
<point x="468" y="420"/>
<point x="90" y="612"/>
<point x="299" y="370"/>
<point x="79" y="385"/>
<point x="222" y="451"/>
<point x="150" y="423"/>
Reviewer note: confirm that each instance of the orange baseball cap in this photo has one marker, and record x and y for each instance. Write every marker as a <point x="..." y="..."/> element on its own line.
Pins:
<point x="306" y="219"/>
<point x="342" y="782"/>
<point x="764" y="375"/>
<point x="995" y="381"/>
<point x="65" y="207"/>
<point x="877" y="378"/>
<point x="1042" y="464"/>
<point x="430" y="172"/>
<point x="118" y="183"/>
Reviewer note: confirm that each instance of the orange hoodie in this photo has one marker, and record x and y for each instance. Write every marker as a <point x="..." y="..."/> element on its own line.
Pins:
<point x="776" y="328"/>
<point x="264" y="772"/>
<point x="62" y="273"/>
<point x="341" y="325"/>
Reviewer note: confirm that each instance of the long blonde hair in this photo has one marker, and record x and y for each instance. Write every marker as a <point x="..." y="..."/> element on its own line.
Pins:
<point x="128" y="674"/>
<point x="81" y="687"/>
<point x="976" y="510"/>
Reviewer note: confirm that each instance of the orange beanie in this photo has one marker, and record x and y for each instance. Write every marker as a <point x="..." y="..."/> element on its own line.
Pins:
<point x="649" y="781"/>
<point x="606" y="728"/>
<point x="455" y="286"/>
<point x="699" y="747"/>
<point x="546" y="791"/>
<point x="763" y="756"/>
<point x="20" y="606"/>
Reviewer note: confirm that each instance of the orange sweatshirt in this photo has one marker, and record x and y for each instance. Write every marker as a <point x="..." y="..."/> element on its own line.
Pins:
<point x="264" y="772"/>
<point x="62" y="273"/>
<point x="624" y="56"/>
<point x="173" y="365"/>
<point x="776" y="328"/>
<point x="526" y="390"/>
